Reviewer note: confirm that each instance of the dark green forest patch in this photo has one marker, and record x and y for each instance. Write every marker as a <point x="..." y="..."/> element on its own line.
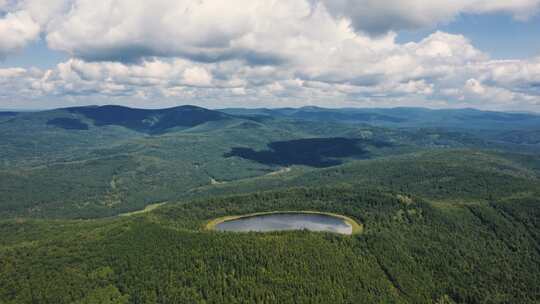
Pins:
<point x="149" y="121"/>
<point x="68" y="124"/>
<point x="314" y="152"/>
<point x="8" y="114"/>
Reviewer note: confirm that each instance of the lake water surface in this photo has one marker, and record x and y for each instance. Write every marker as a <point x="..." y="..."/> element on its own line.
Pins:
<point x="287" y="221"/>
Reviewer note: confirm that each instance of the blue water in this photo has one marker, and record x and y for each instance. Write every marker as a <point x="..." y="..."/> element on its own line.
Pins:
<point x="287" y="221"/>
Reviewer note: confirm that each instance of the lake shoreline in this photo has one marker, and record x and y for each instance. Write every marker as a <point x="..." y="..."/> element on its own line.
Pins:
<point x="357" y="228"/>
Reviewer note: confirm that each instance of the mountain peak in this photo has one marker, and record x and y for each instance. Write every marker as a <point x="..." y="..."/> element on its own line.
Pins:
<point x="153" y="121"/>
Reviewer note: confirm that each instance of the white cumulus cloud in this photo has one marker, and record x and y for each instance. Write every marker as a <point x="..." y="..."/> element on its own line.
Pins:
<point x="16" y="30"/>
<point x="376" y="17"/>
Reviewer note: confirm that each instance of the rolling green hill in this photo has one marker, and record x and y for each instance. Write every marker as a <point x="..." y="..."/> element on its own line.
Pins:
<point x="113" y="165"/>
<point x="438" y="175"/>
<point x="149" y="121"/>
<point x="463" y="119"/>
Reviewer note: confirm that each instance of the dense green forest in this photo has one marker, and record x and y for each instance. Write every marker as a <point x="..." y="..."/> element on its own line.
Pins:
<point x="449" y="215"/>
<point x="411" y="251"/>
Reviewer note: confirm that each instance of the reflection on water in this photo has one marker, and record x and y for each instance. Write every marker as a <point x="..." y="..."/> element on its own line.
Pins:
<point x="287" y="221"/>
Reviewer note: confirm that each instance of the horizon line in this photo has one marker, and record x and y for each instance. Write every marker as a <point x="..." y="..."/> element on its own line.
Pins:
<point x="29" y="110"/>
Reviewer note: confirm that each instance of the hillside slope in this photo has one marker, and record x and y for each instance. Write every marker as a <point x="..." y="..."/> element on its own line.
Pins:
<point x="470" y="119"/>
<point x="99" y="161"/>
<point x="149" y="121"/>
<point x="438" y="175"/>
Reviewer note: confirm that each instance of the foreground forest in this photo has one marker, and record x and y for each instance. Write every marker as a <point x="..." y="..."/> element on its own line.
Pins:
<point x="412" y="251"/>
<point x="449" y="215"/>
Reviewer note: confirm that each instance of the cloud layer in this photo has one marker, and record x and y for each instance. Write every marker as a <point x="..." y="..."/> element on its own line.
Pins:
<point x="271" y="52"/>
<point x="378" y="17"/>
<point x="16" y="31"/>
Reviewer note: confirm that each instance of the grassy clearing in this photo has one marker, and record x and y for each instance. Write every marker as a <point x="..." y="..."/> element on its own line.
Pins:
<point x="280" y="171"/>
<point x="357" y="228"/>
<point x="146" y="209"/>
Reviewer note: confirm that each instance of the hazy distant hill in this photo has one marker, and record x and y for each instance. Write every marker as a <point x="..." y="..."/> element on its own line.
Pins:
<point x="8" y="114"/>
<point x="406" y="117"/>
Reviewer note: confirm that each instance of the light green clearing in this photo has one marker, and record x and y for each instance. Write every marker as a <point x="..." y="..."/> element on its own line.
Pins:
<point x="357" y="228"/>
<point x="146" y="209"/>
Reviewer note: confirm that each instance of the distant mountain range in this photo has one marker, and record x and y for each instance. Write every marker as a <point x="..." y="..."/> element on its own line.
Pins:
<point x="158" y="121"/>
<point x="405" y="117"/>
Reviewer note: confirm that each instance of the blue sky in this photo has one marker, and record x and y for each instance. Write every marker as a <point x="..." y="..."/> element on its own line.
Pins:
<point x="498" y="34"/>
<point x="36" y="54"/>
<point x="335" y="53"/>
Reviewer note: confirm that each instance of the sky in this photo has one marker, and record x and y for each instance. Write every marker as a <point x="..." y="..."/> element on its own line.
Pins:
<point x="481" y="54"/>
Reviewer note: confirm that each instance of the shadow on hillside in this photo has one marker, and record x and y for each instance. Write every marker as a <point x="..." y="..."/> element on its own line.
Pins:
<point x="68" y="124"/>
<point x="8" y="114"/>
<point x="149" y="121"/>
<point x="315" y="152"/>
